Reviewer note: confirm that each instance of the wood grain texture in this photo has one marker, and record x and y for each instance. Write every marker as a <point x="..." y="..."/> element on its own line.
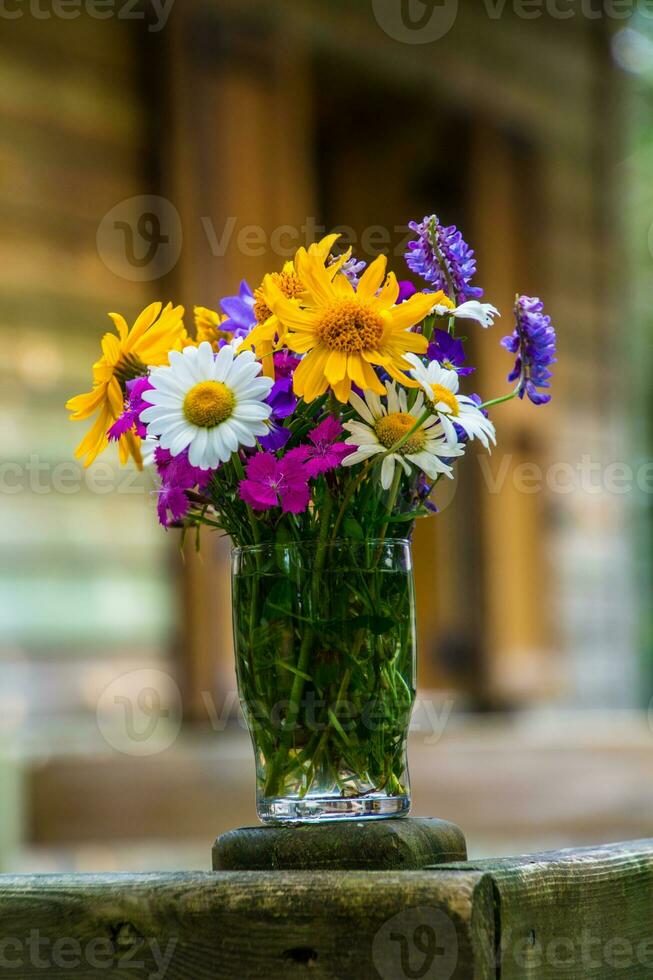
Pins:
<point x="388" y="845"/>
<point x="568" y="915"/>
<point x="574" y="914"/>
<point x="240" y="924"/>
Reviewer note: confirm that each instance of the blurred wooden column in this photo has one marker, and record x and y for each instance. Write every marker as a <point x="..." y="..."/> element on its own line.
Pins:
<point x="515" y="587"/>
<point x="241" y="152"/>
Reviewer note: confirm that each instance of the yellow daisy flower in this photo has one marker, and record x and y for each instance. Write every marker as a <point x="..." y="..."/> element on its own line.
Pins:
<point x="343" y="331"/>
<point x="269" y="331"/>
<point x="124" y="357"/>
<point x="207" y="327"/>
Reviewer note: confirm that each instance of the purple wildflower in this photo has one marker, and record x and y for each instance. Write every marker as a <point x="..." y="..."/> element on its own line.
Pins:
<point x="325" y="453"/>
<point x="276" y="438"/>
<point x="534" y="342"/>
<point x="282" y="400"/>
<point x="406" y="290"/>
<point x="272" y="482"/>
<point x="239" y="310"/>
<point x="134" y="405"/>
<point x="177" y="476"/>
<point x="353" y="268"/>
<point x="449" y="352"/>
<point x="442" y="257"/>
<point x="285" y="364"/>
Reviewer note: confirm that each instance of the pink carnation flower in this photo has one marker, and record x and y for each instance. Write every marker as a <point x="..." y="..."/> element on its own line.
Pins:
<point x="272" y="482"/>
<point x="325" y="453"/>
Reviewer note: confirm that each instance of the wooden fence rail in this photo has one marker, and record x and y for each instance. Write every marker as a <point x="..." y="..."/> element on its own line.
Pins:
<point x="569" y="914"/>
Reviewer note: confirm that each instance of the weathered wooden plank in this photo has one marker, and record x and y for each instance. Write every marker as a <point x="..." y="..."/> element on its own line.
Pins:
<point x="389" y="845"/>
<point x="247" y="925"/>
<point x="574" y="914"/>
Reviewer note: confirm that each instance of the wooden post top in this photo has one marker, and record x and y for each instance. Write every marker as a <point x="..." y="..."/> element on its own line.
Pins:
<point x="404" y="844"/>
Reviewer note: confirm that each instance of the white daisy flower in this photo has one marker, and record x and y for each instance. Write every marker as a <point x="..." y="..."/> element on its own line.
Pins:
<point x="209" y="404"/>
<point x="383" y="425"/>
<point x="441" y="387"/>
<point x="483" y="313"/>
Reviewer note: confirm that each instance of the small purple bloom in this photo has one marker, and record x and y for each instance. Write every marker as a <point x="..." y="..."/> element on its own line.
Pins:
<point x="134" y="405"/>
<point x="282" y="398"/>
<point x="177" y="476"/>
<point x="172" y="505"/>
<point x="353" y="268"/>
<point x="276" y="438"/>
<point x="449" y="352"/>
<point x="406" y="290"/>
<point x="534" y="342"/>
<point x="239" y="310"/>
<point x="442" y="257"/>
<point x="325" y="453"/>
<point x="272" y="482"/>
<point x="285" y="364"/>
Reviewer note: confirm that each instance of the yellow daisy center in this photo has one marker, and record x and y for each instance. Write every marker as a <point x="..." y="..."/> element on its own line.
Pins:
<point x="209" y="403"/>
<point x="350" y="326"/>
<point x="442" y="394"/>
<point x="391" y="428"/>
<point x="290" y="285"/>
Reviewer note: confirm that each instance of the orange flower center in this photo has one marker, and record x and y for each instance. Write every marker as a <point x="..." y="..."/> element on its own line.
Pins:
<point x="442" y="394"/>
<point x="208" y="404"/>
<point x="391" y="428"/>
<point x="347" y="325"/>
<point x="290" y="285"/>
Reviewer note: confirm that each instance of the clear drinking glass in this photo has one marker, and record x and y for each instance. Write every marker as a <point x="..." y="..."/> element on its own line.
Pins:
<point x="324" y="636"/>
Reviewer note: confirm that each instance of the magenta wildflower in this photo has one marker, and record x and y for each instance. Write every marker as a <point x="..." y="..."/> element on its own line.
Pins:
<point x="134" y="405"/>
<point x="272" y="482"/>
<point x="177" y="476"/>
<point x="325" y="453"/>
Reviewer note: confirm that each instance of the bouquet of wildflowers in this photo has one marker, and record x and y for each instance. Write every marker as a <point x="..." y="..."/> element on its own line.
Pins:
<point x="321" y="407"/>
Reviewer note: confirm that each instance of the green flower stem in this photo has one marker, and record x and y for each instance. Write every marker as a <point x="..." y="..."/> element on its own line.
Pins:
<point x="389" y="507"/>
<point x="289" y="722"/>
<point x="371" y="463"/>
<point x="503" y="398"/>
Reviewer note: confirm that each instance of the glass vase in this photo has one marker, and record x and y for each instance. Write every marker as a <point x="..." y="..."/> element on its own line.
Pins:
<point x="324" y="636"/>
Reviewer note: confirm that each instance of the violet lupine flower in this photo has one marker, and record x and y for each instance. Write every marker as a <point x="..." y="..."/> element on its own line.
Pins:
<point x="272" y="482"/>
<point x="442" y="257"/>
<point x="239" y="310"/>
<point x="325" y="453"/>
<point x="406" y="290"/>
<point x="449" y="352"/>
<point x="534" y="342"/>
<point x="177" y="476"/>
<point x="134" y="405"/>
